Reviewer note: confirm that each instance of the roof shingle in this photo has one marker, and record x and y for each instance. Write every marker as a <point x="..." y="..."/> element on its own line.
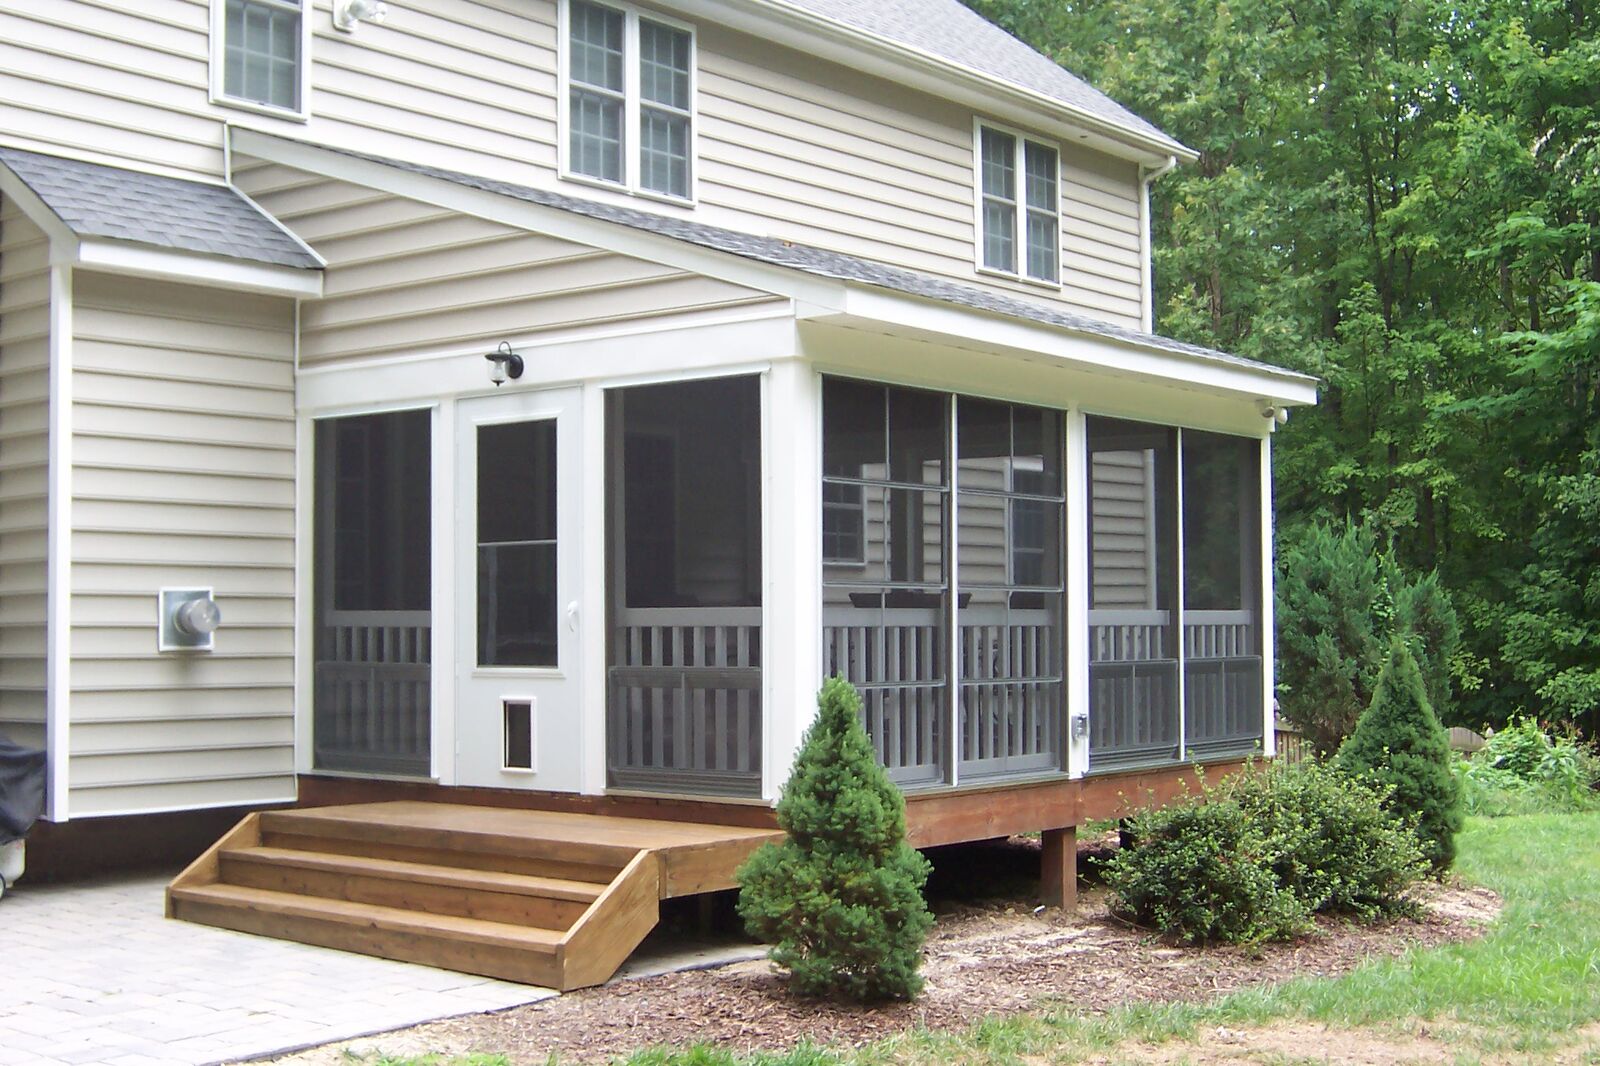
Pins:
<point x="127" y="205"/>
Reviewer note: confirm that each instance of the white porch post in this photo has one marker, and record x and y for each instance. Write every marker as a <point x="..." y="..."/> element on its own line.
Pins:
<point x="1077" y="591"/>
<point x="1269" y="736"/>
<point x="592" y="592"/>
<point x="791" y="450"/>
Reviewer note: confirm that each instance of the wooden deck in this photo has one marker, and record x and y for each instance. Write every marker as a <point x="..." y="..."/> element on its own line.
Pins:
<point x="552" y="898"/>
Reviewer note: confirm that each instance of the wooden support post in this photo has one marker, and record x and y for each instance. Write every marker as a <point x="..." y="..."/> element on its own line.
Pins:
<point x="1058" y="868"/>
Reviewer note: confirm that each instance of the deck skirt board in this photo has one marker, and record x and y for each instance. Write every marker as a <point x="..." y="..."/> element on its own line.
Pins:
<point x="552" y="898"/>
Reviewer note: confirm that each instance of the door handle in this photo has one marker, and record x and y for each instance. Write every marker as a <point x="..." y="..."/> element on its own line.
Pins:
<point x="572" y="616"/>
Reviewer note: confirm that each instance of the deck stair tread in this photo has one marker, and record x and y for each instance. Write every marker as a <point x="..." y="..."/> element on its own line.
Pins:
<point x="548" y="897"/>
<point x="389" y="919"/>
<point x="424" y="873"/>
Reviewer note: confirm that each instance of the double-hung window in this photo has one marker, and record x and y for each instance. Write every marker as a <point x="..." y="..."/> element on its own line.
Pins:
<point x="1019" y="206"/>
<point x="261" y="49"/>
<point x="630" y="108"/>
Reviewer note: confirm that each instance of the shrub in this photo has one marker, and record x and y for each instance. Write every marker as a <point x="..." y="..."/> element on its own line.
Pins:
<point x="1400" y="745"/>
<point x="1254" y="859"/>
<point x="1329" y="840"/>
<point x="841" y="897"/>
<point x="1201" y="872"/>
<point x="1524" y="770"/>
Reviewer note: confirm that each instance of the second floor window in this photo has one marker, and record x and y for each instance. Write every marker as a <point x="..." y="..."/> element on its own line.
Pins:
<point x="262" y="52"/>
<point x="1019" y="206"/>
<point x="629" y="99"/>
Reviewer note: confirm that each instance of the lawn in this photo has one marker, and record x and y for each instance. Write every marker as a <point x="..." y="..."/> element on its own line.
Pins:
<point x="1527" y="989"/>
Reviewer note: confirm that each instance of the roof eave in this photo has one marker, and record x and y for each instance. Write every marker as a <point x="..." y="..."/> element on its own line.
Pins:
<point x="786" y="24"/>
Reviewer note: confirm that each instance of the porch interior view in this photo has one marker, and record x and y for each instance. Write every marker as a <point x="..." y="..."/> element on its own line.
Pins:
<point x="946" y="589"/>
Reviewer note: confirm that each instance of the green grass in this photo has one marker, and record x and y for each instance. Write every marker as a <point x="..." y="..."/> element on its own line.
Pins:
<point x="1521" y="989"/>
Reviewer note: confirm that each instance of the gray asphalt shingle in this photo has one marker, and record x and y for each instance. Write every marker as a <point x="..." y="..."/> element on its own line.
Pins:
<point x="824" y="263"/>
<point x="952" y="31"/>
<point x="127" y="205"/>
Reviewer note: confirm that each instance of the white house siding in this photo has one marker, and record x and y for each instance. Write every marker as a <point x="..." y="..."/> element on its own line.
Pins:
<point x="405" y="277"/>
<point x="24" y="466"/>
<point x="787" y="145"/>
<point x="183" y="475"/>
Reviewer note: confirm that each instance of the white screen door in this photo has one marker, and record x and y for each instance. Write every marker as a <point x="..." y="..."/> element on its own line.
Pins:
<point x="518" y="696"/>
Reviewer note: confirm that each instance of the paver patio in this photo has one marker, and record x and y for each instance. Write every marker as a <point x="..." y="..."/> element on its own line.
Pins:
<point x="95" y="974"/>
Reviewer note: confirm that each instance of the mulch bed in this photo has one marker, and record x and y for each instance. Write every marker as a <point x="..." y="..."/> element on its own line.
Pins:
<point x="992" y="957"/>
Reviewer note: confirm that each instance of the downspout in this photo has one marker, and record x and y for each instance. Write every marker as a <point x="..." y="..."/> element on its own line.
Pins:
<point x="1147" y="288"/>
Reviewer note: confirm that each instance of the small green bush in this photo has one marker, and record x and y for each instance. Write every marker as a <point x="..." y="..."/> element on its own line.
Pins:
<point x="841" y="898"/>
<point x="1254" y="859"/>
<point x="1524" y="770"/>
<point x="1400" y="746"/>
<point x="1331" y="842"/>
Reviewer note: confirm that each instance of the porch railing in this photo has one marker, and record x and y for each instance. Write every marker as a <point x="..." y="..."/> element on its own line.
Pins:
<point x="685" y="700"/>
<point x="1010" y="692"/>
<point x="896" y="657"/>
<point x="373" y="679"/>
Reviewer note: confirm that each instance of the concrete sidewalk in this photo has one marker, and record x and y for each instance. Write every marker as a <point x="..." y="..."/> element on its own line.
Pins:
<point x="95" y="974"/>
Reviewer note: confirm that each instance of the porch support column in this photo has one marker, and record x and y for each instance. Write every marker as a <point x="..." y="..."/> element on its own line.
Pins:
<point x="1058" y="868"/>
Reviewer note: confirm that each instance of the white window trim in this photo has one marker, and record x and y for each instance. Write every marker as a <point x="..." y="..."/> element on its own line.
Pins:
<point x="631" y="104"/>
<point x="1020" y="221"/>
<point x="219" y="60"/>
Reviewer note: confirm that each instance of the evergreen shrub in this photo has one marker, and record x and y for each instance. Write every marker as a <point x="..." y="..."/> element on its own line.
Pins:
<point x="1400" y="746"/>
<point x="1255" y="858"/>
<point x="841" y="898"/>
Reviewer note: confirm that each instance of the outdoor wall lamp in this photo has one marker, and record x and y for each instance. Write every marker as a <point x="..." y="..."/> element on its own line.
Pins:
<point x="504" y="363"/>
<point x="348" y="13"/>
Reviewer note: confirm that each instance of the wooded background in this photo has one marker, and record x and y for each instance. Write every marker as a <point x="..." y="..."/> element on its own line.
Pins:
<point x="1403" y="199"/>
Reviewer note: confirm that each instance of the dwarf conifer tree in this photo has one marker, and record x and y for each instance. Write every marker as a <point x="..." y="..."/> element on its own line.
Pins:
<point x="841" y="898"/>
<point x="1398" y="743"/>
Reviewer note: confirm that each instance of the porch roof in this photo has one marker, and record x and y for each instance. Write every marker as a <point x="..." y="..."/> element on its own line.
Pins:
<point x="113" y="203"/>
<point x="809" y="260"/>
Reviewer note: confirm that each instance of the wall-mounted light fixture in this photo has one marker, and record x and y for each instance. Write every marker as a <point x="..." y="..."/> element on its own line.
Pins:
<point x="1272" y="411"/>
<point x="347" y="14"/>
<point x="503" y="364"/>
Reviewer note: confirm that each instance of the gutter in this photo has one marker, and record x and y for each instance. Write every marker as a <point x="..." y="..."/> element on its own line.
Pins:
<point x="1147" y="290"/>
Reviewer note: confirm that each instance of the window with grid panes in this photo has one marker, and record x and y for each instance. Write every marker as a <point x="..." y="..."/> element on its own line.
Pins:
<point x="630" y="105"/>
<point x="261" y="52"/>
<point x="1020" y="211"/>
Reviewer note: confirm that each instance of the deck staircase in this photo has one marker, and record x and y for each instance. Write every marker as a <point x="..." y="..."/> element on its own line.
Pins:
<point x="544" y="898"/>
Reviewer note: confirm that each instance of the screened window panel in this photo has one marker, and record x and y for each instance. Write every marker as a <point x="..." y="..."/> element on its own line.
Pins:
<point x="372" y="521"/>
<point x="517" y="544"/>
<point x="261" y="51"/>
<point x="855" y="419"/>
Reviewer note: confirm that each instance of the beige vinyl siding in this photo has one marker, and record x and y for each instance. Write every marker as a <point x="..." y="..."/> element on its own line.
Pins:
<point x="24" y="473"/>
<point x="406" y="277"/>
<point x="787" y="146"/>
<point x="183" y="475"/>
<point x="1123" y="498"/>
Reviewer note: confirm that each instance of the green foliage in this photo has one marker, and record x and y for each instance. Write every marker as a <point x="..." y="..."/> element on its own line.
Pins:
<point x="1524" y="770"/>
<point x="1340" y="603"/>
<point x="841" y="898"/>
<point x="1254" y="859"/>
<point x="1400" y="745"/>
<point x="1403" y="199"/>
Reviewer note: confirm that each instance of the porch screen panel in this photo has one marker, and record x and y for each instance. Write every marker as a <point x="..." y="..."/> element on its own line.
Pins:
<point x="684" y="707"/>
<point x="1222" y="690"/>
<point x="1008" y="548"/>
<point x="373" y="593"/>
<point x="885" y="573"/>
<point x="1133" y="650"/>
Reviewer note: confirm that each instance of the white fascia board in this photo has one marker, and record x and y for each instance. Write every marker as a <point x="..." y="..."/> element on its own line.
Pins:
<point x="908" y="315"/>
<point x="63" y="242"/>
<point x="510" y="210"/>
<point x="122" y="257"/>
<point x="808" y="32"/>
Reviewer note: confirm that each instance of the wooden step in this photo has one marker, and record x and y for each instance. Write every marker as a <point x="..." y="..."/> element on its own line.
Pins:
<point x="471" y="945"/>
<point x="425" y="856"/>
<point x="491" y="895"/>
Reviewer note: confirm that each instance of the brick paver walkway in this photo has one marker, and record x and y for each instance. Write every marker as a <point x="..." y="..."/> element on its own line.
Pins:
<point x="94" y="974"/>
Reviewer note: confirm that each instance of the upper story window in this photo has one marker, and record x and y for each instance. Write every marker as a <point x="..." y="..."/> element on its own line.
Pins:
<point x="629" y="99"/>
<point x="1019" y="205"/>
<point x="259" y="51"/>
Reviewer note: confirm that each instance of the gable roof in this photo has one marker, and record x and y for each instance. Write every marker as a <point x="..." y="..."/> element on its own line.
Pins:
<point x="950" y="30"/>
<point x="818" y="262"/>
<point x="113" y="203"/>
